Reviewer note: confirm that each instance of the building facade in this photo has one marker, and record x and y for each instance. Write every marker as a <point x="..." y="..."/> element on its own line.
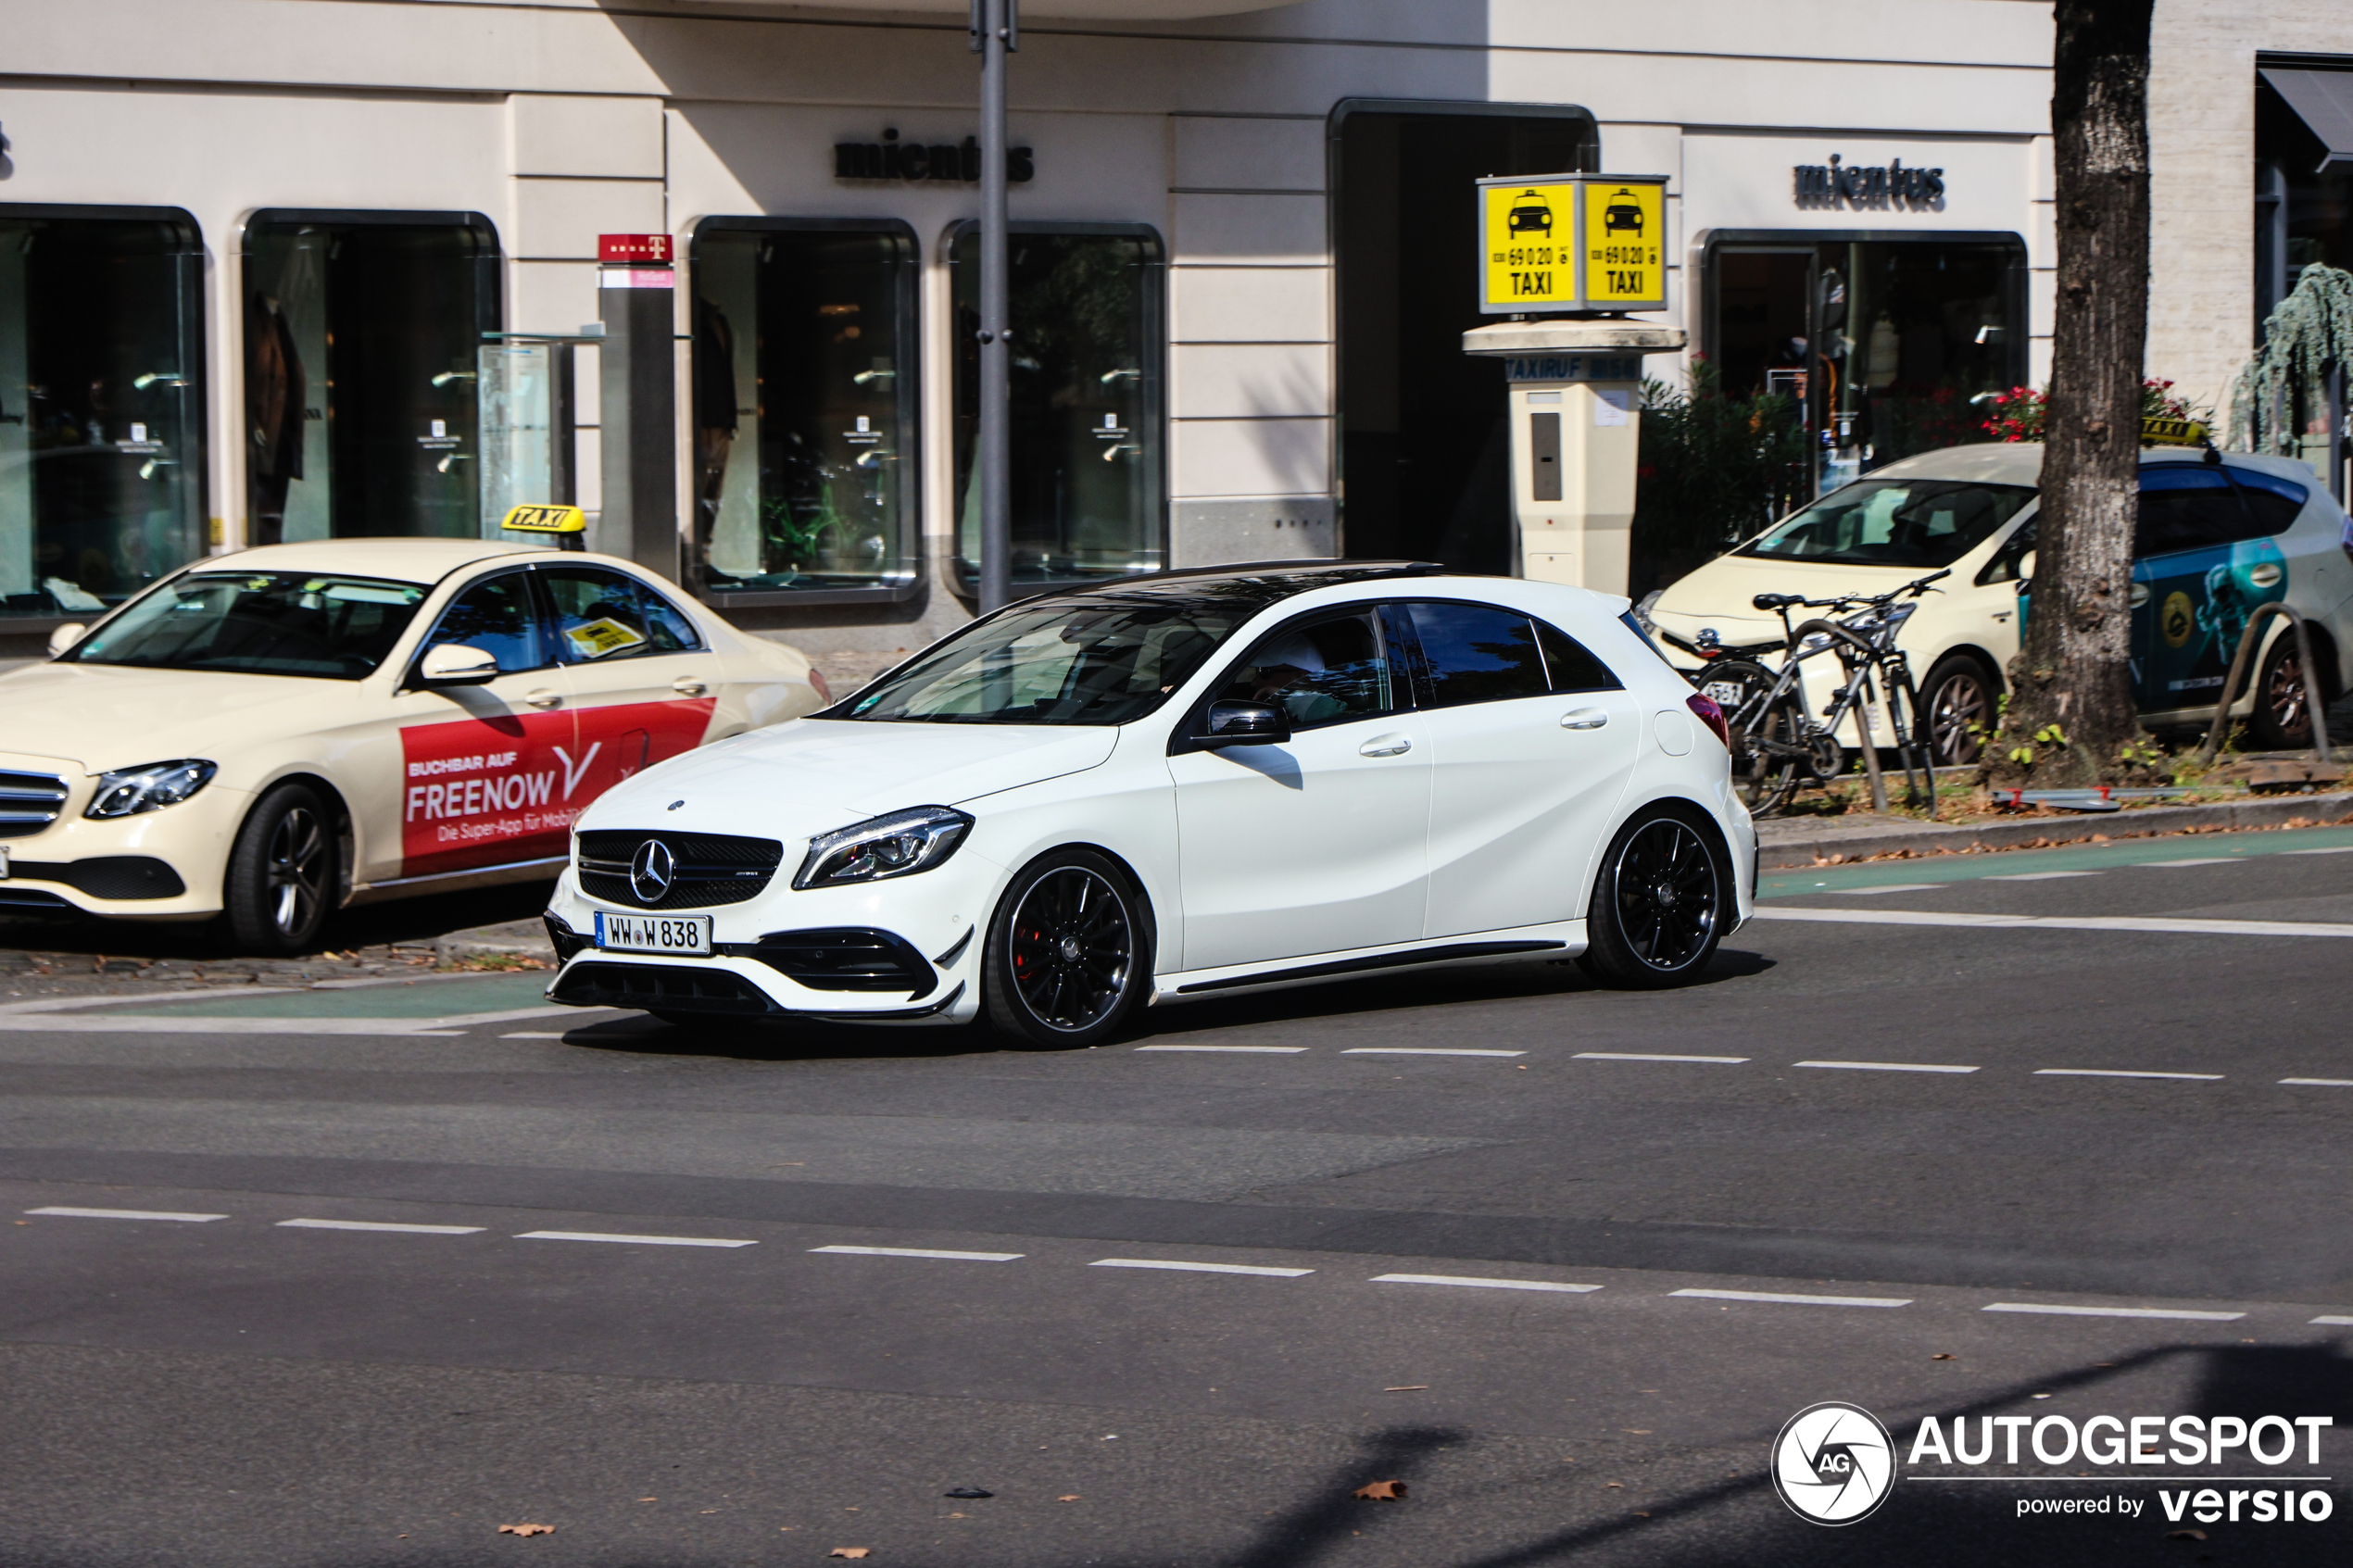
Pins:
<point x="277" y="270"/>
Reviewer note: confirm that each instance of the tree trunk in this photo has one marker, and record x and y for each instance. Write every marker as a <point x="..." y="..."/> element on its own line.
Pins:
<point x="2071" y="713"/>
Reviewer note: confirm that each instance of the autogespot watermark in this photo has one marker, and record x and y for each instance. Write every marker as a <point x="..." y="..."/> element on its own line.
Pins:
<point x="1834" y="1464"/>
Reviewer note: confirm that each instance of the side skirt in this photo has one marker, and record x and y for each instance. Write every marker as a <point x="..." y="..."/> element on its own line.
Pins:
<point x="1542" y="943"/>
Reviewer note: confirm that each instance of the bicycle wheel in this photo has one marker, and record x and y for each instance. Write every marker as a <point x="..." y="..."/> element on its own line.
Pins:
<point x="1779" y="756"/>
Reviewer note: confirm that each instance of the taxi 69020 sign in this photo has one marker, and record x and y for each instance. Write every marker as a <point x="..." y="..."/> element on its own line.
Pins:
<point x="1572" y="242"/>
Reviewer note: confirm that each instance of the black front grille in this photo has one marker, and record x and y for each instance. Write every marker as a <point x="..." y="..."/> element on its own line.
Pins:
<point x="29" y="802"/>
<point x="845" y="961"/>
<point x="711" y="868"/>
<point x="661" y="988"/>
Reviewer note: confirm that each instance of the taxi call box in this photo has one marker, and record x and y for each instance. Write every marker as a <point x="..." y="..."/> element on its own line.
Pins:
<point x="1572" y="242"/>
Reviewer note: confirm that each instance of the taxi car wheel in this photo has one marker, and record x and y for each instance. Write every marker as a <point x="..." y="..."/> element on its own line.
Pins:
<point x="283" y="873"/>
<point x="1956" y="696"/>
<point x="1659" y="905"/>
<point x="1069" y="951"/>
<point x="2282" y="716"/>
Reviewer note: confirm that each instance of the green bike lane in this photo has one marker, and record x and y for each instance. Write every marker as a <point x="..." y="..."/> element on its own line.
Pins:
<point x="2067" y="861"/>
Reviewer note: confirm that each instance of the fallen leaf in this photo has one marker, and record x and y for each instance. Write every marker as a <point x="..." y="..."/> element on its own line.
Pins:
<point x="952" y="1516"/>
<point x="1406" y="1388"/>
<point x="1067" y="1496"/>
<point x="969" y="1492"/>
<point x="848" y="1552"/>
<point x="1640" y="1514"/>
<point x="526" y="1529"/>
<point x="648" y="1499"/>
<point x="1942" y="1356"/>
<point x="1637" y="1431"/>
<point x="1380" y="1491"/>
<point x="1619" y="1484"/>
<point x="2185" y="1535"/>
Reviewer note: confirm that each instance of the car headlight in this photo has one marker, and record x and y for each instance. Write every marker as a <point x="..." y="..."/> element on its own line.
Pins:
<point x="898" y="845"/>
<point x="129" y="791"/>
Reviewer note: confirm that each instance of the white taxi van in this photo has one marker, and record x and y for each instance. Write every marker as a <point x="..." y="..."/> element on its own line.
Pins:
<point x="270" y="734"/>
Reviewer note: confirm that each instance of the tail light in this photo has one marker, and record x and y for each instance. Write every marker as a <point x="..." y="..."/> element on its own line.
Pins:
<point x="1703" y="707"/>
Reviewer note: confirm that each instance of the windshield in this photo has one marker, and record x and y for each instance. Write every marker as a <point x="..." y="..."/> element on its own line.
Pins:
<point x="259" y="623"/>
<point x="1081" y="661"/>
<point x="1913" y="523"/>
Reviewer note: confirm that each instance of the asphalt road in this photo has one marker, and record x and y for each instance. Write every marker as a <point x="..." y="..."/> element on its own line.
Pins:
<point x="422" y="1259"/>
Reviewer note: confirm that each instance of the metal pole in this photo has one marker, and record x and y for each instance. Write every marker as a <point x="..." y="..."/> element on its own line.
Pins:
<point x="994" y="37"/>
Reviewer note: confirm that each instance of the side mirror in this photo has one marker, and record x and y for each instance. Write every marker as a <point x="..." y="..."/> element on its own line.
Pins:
<point x="2025" y="570"/>
<point x="66" y="636"/>
<point x="1246" y="724"/>
<point x="455" y="664"/>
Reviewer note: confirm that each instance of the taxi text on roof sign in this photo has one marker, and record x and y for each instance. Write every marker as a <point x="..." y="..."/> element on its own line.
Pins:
<point x="1572" y="242"/>
<point x="545" y="519"/>
<point x="2173" y="432"/>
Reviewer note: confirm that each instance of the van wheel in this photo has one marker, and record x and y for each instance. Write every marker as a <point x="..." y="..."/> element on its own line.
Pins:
<point x="283" y="875"/>
<point x="2282" y="716"/>
<point x="1069" y="954"/>
<point x="1659" y="905"/>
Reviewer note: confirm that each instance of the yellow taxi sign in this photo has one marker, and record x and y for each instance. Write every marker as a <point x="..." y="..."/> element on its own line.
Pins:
<point x="2173" y="432"/>
<point x="1572" y="242"/>
<point x="534" y="518"/>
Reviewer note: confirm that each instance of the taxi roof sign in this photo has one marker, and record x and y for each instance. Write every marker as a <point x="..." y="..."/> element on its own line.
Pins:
<point x="2173" y="432"/>
<point x="1572" y="242"/>
<point x="543" y="519"/>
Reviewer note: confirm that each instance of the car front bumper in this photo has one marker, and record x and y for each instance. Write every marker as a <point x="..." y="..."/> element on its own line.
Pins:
<point x="161" y="865"/>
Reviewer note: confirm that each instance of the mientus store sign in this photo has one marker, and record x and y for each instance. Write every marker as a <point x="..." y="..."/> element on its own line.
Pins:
<point x="891" y="158"/>
<point x="1894" y="184"/>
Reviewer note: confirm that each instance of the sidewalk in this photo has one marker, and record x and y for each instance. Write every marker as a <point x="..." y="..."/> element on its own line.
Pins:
<point x="1785" y="843"/>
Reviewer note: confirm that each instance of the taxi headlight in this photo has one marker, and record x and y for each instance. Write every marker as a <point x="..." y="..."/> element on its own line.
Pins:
<point x="898" y="845"/>
<point x="128" y="791"/>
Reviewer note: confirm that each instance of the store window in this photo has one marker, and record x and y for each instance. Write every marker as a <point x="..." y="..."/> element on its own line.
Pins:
<point x="805" y="410"/>
<point x="362" y="333"/>
<point x="101" y="406"/>
<point x="2303" y="218"/>
<point x="1086" y="305"/>
<point x="1884" y="342"/>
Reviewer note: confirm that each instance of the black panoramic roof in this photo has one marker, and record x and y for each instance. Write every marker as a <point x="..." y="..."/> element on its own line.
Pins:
<point x="1253" y="585"/>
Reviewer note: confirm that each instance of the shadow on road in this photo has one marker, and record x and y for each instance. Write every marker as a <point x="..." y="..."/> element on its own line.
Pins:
<point x="400" y="922"/>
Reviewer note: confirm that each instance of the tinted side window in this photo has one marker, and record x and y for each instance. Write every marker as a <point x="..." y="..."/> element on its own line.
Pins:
<point x="1322" y="672"/>
<point x="1570" y="664"/>
<point x="2187" y="507"/>
<point x="1476" y="653"/>
<point x="2273" y="502"/>
<point x="497" y="618"/>
<point x="602" y="615"/>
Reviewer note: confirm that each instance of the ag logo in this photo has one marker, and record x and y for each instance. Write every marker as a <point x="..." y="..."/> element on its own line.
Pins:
<point x="2177" y="620"/>
<point x="1833" y="1463"/>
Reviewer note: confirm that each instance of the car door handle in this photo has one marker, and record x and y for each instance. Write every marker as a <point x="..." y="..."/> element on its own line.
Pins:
<point x="1583" y="719"/>
<point x="543" y="697"/>
<point x="687" y="686"/>
<point x="2002" y="615"/>
<point x="1386" y="745"/>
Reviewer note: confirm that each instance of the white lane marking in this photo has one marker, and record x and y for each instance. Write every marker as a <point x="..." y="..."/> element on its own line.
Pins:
<point x="1891" y="887"/>
<point x="1647" y="1056"/>
<point x="2112" y="1311"/>
<point x="2067" y="922"/>
<point x="2201" y="861"/>
<point x="2038" y="876"/>
<point x="67" y="1004"/>
<point x="2326" y="1320"/>
<point x="535" y="1034"/>
<point x="1196" y="1268"/>
<point x="2331" y="849"/>
<point x="1797" y="1300"/>
<point x="1260" y="1050"/>
<point x="84" y="1023"/>
<point x="379" y="1225"/>
<point x="2320" y="1083"/>
<point x="1481" y="1284"/>
<point x="125" y="1214"/>
<point x="639" y="1240"/>
<point x="1887" y="1066"/>
<point x="2122" y="1073"/>
<point x="921" y="1252"/>
<point x="1421" y="1051"/>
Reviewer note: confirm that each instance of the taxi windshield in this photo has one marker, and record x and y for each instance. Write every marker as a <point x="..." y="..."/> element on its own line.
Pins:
<point x="1918" y="524"/>
<point x="1077" y="662"/>
<point x="259" y="623"/>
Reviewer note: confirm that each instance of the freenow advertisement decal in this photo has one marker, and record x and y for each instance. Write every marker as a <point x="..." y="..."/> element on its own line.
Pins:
<point x="483" y="792"/>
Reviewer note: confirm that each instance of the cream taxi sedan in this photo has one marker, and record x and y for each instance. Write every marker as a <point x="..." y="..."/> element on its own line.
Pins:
<point x="271" y="735"/>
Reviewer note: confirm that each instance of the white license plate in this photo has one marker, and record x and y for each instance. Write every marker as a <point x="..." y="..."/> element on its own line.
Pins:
<point x="654" y="933"/>
<point x="1725" y="695"/>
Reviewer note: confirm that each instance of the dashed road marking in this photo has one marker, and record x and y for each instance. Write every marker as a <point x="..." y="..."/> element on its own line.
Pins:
<point x="2038" y="876"/>
<point x="2200" y="860"/>
<point x="1482" y="1284"/>
<point x="923" y="1252"/>
<point x="1197" y="1268"/>
<point x="638" y="1240"/>
<point x="1887" y="1066"/>
<point x="66" y="1213"/>
<point x="535" y="1034"/>
<point x="2331" y="849"/>
<point x="1793" y="1300"/>
<point x="1421" y="1051"/>
<point x="2122" y="1073"/>
<point x="379" y="1225"/>
<point x="2319" y="1083"/>
<point x="2332" y="1321"/>
<point x="2040" y="1309"/>
<point x="1891" y="887"/>
<point x="1256" y="1050"/>
<point x="1647" y="1056"/>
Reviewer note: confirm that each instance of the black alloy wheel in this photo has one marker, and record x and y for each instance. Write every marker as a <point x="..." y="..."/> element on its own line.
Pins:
<point x="1659" y="907"/>
<point x="1068" y="952"/>
<point x="2282" y="716"/>
<point x="1959" y="704"/>
<point x="283" y="874"/>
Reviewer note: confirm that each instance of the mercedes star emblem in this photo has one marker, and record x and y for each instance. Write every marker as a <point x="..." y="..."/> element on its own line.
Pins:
<point x="651" y="871"/>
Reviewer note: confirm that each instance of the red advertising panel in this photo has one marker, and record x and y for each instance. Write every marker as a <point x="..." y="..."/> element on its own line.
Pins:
<point x="479" y="792"/>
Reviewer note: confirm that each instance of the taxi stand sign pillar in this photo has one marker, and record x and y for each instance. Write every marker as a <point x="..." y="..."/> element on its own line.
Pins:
<point x="638" y="401"/>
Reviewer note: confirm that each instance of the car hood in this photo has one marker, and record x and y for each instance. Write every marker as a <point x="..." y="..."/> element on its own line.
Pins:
<point x="1718" y="594"/>
<point x="809" y="776"/>
<point x="104" y="716"/>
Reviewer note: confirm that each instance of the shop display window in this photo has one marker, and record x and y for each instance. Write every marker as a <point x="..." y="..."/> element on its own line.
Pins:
<point x="102" y="485"/>
<point x="805" y="410"/>
<point x="362" y="339"/>
<point x="1087" y="306"/>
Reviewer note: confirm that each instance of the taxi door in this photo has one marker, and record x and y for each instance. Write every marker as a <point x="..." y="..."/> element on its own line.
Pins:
<point x="644" y="683"/>
<point x="481" y="776"/>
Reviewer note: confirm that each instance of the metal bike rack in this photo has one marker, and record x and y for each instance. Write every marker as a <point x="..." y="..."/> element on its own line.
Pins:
<point x="2315" y="693"/>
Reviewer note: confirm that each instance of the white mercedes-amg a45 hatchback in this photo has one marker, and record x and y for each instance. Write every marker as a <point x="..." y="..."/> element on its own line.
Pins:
<point x="1175" y="787"/>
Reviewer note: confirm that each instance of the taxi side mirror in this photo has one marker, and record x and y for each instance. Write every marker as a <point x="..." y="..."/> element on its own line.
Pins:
<point x="455" y="664"/>
<point x="66" y="636"/>
<point x="2025" y="570"/>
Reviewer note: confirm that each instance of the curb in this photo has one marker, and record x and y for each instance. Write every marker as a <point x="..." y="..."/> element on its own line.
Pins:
<point x="1818" y="848"/>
